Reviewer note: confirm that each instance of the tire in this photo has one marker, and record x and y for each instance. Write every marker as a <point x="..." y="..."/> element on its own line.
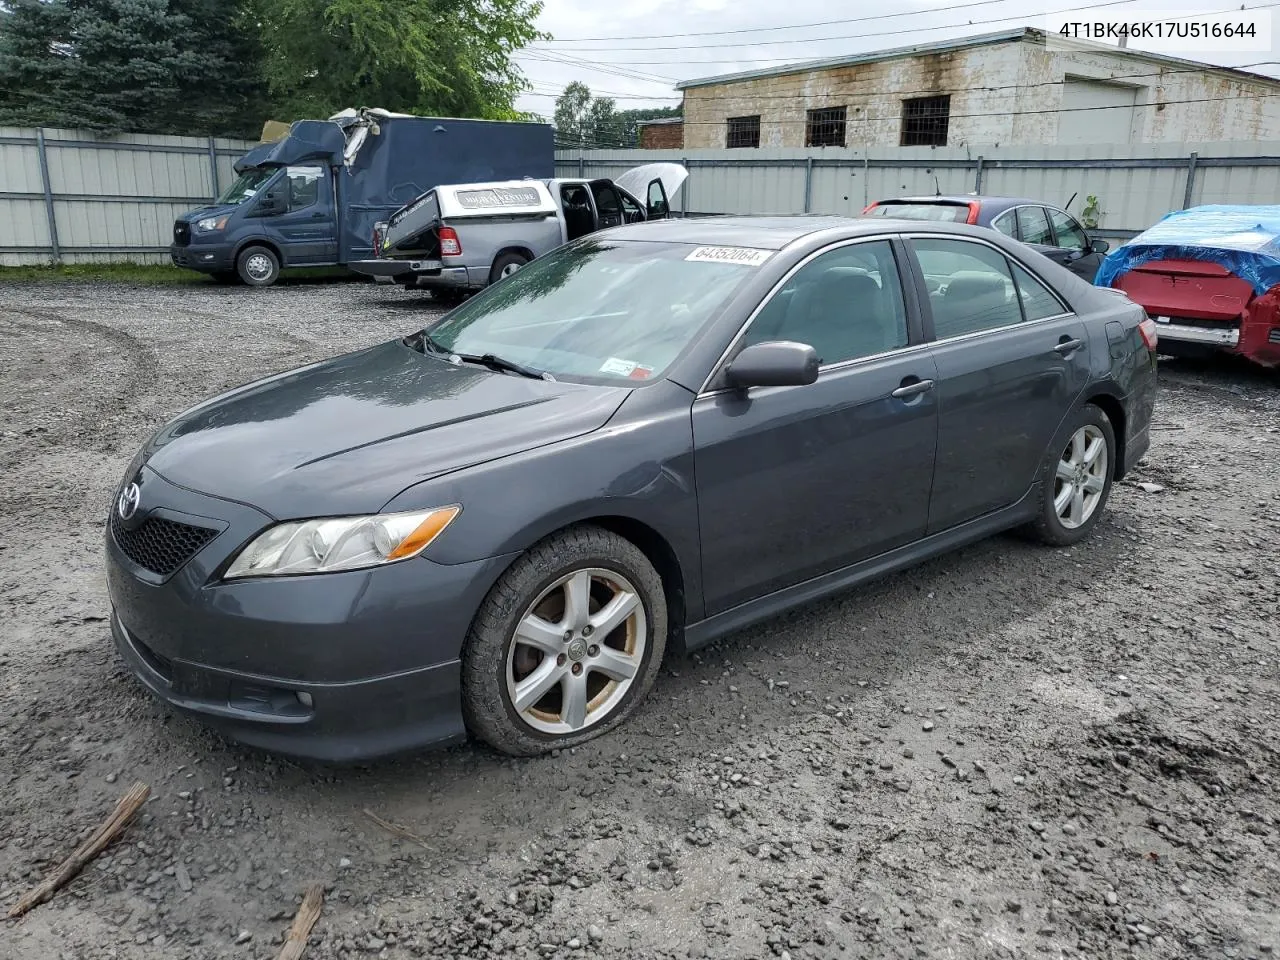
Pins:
<point x="505" y="265"/>
<point x="531" y="592"/>
<point x="258" y="266"/>
<point x="1072" y="449"/>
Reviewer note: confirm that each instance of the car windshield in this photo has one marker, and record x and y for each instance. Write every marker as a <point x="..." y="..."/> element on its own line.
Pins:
<point x="600" y="311"/>
<point x="946" y="212"/>
<point x="247" y="184"/>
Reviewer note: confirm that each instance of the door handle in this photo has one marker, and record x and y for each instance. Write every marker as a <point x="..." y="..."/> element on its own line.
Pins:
<point x="317" y="216"/>
<point x="1068" y="346"/>
<point x="911" y="389"/>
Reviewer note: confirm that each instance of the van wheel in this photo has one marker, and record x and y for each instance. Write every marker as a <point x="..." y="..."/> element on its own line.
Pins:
<point x="258" y="266"/>
<point x="566" y="645"/>
<point x="506" y="265"/>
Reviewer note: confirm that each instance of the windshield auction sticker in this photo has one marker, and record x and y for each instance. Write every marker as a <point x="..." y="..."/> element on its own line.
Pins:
<point x="747" y="256"/>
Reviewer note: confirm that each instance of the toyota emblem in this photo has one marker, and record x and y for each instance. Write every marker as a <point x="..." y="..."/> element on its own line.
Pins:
<point x="127" y="505"/>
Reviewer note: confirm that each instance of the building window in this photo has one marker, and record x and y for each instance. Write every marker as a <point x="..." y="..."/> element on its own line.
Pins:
<point x="924" y="121"/>
<point x="824" y="128"/>
<point x="744" y="132"/>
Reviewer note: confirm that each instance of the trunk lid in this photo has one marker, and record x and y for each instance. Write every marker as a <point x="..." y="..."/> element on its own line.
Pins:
<point x="1188" y="289"/>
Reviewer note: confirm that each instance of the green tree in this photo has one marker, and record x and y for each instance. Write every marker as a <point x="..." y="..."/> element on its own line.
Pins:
<point x="441" y="57"/>
<point x="583" y="120"/>
<point x="160" y="66"/>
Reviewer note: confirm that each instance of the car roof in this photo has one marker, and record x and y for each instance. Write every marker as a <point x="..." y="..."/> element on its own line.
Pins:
<point x="761" y="232"/>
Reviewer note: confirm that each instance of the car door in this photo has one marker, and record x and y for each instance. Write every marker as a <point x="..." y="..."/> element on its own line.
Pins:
<point x="1012" y="359"/>
<point x="608" y="204"/>
<point x="1079" y="255"/>
<point x="307" y="229"/>
<point x="794" y="482"/>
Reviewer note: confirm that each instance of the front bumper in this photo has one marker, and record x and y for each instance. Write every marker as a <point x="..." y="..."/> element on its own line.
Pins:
<point x="428" y="274"/>
<point x="339" y="667"/>
<point x="202" y="257"/>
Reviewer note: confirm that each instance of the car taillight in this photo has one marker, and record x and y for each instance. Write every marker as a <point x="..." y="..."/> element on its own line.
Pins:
<point x="1150" y="336"/>
<point x="450" y="245"/>
<point x="973" y="213"/>
<point x="870" y="207"/>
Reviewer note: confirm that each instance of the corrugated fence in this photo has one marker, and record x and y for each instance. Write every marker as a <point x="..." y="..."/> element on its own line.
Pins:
<point x="72" y="197"/>
<point x="1133" y="185"/>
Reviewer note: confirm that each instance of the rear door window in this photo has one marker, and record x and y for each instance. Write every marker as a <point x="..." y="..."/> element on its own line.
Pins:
<point x="1033" y="226"/>
<point x="970" y="287"/>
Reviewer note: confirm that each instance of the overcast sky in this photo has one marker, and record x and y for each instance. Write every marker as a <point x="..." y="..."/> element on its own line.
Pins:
<point x="617" y="48"/>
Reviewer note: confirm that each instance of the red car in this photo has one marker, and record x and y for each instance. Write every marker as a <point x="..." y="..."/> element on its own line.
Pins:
<point x="1209" y="277"/>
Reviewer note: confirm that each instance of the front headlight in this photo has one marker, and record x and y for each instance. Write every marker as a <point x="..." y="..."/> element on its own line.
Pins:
<point x="340" y="543"/>
<point x="210" y="224"/>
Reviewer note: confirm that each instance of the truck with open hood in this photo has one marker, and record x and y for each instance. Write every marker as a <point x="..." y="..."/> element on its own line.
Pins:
<point x="460" y="237"/>
<point x="311" y="197"/>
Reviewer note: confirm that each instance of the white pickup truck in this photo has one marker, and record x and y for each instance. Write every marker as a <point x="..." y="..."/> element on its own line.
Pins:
<point x="458" y="238"/>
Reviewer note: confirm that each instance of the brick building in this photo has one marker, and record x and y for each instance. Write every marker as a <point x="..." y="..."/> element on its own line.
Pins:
<point x="664" y="134"/>
<point x="1009" y="88"/>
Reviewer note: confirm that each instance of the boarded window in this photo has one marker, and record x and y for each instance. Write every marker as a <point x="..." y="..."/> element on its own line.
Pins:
<point x="924" y="121"/>
<point x="743" y="132"/>
<point x="825" y="127"/>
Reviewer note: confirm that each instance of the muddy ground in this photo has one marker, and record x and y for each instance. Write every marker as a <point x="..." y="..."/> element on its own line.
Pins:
<point x="1010" y="751"/>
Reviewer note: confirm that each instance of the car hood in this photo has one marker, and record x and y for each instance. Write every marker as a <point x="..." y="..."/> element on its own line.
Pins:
<point x="212" y="210"/>
<point x="346" y="435"/>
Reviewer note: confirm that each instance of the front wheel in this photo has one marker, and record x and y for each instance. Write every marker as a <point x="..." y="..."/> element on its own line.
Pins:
<point x="258" y="266"/>
<point x="566" y="645"/>
<point x="1076" y="480"/>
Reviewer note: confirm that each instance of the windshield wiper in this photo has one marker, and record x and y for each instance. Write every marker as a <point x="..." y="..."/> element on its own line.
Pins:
<point x="494" y="362"/>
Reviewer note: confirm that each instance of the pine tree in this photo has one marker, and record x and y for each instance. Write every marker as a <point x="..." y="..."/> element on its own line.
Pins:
<point x="154" y="66"/>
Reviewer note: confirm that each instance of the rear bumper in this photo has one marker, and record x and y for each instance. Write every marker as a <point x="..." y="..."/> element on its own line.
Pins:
<point x="422" y="273"/>
<point x="1223" y="336"/>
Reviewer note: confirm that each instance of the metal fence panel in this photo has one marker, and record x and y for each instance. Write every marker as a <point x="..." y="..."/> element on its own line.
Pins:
<point x="117" y="197"/>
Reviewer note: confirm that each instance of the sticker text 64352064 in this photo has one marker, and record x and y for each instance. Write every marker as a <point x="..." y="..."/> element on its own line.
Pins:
<point x="746" y="256"/>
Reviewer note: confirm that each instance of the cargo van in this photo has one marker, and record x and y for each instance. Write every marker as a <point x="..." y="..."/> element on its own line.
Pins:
<point x="311" y="198"/>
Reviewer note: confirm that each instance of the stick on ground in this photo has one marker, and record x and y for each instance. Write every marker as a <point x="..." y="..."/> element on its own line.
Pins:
<point x="295" y="944"/>
<point x="398" y="831"/>
<point x="125" y="809"/>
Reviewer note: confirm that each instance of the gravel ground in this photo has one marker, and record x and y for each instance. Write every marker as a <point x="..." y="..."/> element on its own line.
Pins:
<point x="1008" y="751"/>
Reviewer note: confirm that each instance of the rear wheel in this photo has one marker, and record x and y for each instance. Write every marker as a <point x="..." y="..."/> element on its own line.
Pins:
<point x="258" y="266"/>
<point x="566" y="645"/>
<point x="1076" y="478"/>
<point x="506" y="265"/>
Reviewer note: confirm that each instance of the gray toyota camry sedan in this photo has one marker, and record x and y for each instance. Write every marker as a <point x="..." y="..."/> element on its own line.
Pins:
<point x="646" y="439"/>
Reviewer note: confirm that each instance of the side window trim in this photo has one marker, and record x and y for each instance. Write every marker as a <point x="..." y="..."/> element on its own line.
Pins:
<point x="726" y="357"/>
<point x="926" y="305"/>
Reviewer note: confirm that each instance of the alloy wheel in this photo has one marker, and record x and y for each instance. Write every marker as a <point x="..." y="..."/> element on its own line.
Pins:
<point x="576" y="651"/>
<point x="1081" y="477"/>
<point x="258" y="266"/>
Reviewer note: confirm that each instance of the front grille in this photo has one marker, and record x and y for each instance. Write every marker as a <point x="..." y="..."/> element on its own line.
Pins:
<point x="182" y="234"/>
<point x="161" y="546"/>
<point x="1274" y="335"/>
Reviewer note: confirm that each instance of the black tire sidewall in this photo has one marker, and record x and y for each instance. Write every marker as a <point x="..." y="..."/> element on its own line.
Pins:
<point x="1048" y="525"/>
<point x="495" y="272"/>
<point x="487" y="706"/>
<point x="243" y="273"/>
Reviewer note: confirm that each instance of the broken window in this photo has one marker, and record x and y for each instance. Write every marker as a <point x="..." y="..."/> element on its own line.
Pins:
<point x="824" y="127"/>
<point x="924" y="121"/>
<point x="744" y="132"/>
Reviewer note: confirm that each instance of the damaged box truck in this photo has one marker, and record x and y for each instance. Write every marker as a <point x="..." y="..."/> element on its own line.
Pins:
<point x="311" y="198"/>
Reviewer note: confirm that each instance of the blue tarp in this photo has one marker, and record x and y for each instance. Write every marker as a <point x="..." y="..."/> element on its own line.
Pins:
<point x="1245" y="239"/>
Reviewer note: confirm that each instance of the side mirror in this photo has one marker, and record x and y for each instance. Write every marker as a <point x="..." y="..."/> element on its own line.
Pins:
<point x="779" y="363"/>
<point x="1100" y="246"/>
